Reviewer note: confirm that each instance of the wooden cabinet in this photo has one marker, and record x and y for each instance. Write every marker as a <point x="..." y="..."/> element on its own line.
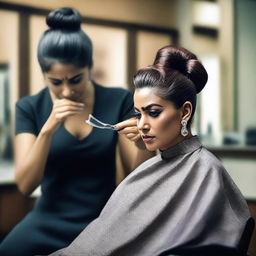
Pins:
<point x="13" y="207"/>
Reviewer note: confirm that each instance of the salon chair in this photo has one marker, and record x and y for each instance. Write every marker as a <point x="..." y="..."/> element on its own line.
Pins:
<point x="247" y="235"/>
<point x="217" y="251"/>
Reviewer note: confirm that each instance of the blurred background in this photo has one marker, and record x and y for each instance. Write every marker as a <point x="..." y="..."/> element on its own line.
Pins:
<point x="126" y="35"/>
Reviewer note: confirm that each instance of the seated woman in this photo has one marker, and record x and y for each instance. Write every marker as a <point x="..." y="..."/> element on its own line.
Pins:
<point x="181" y="201"/>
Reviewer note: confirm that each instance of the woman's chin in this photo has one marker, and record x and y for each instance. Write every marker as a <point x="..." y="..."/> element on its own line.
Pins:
<point x="151" y="147"/>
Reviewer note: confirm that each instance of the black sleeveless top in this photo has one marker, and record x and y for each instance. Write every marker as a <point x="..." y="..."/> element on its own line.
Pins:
<point x="80" y="173"/>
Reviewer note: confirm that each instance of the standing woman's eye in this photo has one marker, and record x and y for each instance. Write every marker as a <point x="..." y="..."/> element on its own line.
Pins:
<point x="76" y="80"/>
<point x="56" y="82"/>
<point x="154" y="113"/>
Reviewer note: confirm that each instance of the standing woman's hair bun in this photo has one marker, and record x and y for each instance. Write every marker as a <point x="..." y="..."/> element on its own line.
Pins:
<point x="64" y="18"/>
<point x="64" y="41"/>
<point x="182" y="60"/>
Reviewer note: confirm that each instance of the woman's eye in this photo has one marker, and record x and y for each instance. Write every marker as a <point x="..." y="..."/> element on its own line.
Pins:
<point x="76" y="81"/>
<point x="137" y="115"/>
<point x="154" y="113"/>
<point x="56" y="82"/>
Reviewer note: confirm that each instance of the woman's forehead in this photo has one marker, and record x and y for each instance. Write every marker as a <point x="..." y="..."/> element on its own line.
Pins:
<point x="59" y="70"/>
<point x="146" y="96"/>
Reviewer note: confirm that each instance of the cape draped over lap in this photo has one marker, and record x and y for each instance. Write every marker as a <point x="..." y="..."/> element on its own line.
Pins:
<point x="181" y="201"/>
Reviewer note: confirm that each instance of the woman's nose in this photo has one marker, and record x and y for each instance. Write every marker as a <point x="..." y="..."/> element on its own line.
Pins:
<point x="143" y="124"/>
<point x="66" y="92"/>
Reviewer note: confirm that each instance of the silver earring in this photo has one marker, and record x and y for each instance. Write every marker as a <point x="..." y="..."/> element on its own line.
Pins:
<point x="184" y="130"/>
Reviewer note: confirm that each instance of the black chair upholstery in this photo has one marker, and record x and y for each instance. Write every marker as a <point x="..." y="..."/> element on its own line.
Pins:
<point x="246" y="236"/>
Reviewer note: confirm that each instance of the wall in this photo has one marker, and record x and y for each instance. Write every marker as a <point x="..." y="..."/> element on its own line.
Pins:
<point x="150" y="12"/>
<point x="220" y="46"/>
<point x="9" y="50"/>
<point x="245" y="62"/>
<point x="155" y="13"/>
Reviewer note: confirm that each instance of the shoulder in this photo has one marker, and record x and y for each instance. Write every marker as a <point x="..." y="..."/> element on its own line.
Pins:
<point x="204" y="164"/>
<point x="150" y="162"/>
<point x="227" y="188"/>
<point x="211" y="168"/>
<point x="33" y="101"/>
<point x="209" y="159"/>
<point x="146" y="169"/>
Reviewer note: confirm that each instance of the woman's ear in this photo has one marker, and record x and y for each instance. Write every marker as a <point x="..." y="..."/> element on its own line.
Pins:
<point x="187" y="110"/>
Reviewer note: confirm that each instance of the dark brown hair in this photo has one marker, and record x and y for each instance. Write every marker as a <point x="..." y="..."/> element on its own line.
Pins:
<point x="176" y="75"/>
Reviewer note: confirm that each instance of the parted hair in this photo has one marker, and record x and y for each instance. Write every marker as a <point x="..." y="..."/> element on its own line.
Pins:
<point x="64" y="42"/>
<point x="176" y="75"/>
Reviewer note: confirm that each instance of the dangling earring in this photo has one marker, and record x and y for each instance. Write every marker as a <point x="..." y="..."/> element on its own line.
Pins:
<point x="184" y="130"/>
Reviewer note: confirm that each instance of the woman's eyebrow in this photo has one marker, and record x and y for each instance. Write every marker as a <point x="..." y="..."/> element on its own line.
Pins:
<point x="54" y="79"/>
<point x="57" y="79"/>
<point x="75" y="76"/>
<point x="150" y="106"/>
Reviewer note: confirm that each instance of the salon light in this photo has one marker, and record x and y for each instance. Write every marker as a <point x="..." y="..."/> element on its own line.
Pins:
<point x="206" y="14"/>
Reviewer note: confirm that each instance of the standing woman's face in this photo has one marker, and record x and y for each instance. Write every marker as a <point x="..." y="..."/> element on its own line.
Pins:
<point x="159" y="122"/>
<point x="67" y="81"/>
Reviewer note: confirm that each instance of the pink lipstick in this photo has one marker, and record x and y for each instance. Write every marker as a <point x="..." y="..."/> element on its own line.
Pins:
<point x="147" y="138"/>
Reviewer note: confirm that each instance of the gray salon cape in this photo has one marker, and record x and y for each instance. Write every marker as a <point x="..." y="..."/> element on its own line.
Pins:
<point x="180" y="202"/>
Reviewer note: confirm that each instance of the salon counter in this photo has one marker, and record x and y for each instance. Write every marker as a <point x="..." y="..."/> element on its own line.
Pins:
<point x="6" y="172"/>
<point x="13" y="205"/>
<point x="240" y="162"/>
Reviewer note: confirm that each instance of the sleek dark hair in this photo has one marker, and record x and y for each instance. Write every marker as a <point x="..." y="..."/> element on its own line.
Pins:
<point x="176" y="75"/>
<point x="64" y="41"/>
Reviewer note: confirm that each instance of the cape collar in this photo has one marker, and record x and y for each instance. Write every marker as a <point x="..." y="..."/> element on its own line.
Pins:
<point x="184" y="147"/>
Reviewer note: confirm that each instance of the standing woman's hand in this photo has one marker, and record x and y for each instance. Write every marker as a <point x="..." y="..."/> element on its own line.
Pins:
<point x="133" y="151"/>
<point x="62" y="108"/>
<point x="130" y="130"/>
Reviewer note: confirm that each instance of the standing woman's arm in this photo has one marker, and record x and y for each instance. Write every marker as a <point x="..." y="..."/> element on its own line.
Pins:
<point x="31" y="151"/>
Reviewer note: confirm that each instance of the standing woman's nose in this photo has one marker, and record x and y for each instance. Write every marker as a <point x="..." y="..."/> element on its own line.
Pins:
<point x="67" y="91"/>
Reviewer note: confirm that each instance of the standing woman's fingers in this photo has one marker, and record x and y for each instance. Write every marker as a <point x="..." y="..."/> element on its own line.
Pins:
<point x="67" y="103"/>
<point x="62" y="116"/>
<point x="133" y="136"/>
<point x="64" y="108"/>
<point x="127" y="123"/>
<point x="130" y="129"/>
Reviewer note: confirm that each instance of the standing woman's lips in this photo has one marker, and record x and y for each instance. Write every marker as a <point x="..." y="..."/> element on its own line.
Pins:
<point x="147" y="138"/>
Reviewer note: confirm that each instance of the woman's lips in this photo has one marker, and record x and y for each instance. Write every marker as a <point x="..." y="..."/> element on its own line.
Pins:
<point x="147" y="138"/>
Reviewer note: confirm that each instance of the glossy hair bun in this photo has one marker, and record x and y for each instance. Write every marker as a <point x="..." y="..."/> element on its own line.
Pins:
<point x="64" y="18"/>
<point x="182" y="60"/>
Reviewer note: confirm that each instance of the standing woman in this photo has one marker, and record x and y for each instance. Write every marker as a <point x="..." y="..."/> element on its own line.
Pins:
<point x="182" y="201"/>
<point x="73" y="162"/>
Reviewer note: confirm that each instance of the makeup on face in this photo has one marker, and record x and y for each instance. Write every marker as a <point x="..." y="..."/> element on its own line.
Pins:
<point x="158" y="119"/>
<point x="153" y="110"/>
<point x="150" y="110"/>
